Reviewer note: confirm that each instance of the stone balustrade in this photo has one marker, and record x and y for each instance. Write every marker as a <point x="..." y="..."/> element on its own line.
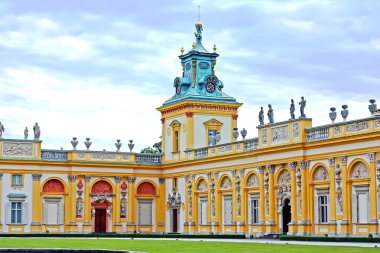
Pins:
<point x="54" y="155"/>
<point x="317" y="134"/>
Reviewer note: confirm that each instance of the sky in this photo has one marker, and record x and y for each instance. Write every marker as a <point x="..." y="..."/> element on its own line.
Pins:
<point x="99" y="69"/>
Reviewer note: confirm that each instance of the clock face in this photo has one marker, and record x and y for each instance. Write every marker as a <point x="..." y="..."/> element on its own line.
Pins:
<point x="210" y="87"/>
<point x="178" y="89"/>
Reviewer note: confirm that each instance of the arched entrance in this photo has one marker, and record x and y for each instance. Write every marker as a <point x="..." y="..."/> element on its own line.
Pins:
<point x="146" y="207"/>
<point x="101" y="206"/>
<point x="286" y="215"/>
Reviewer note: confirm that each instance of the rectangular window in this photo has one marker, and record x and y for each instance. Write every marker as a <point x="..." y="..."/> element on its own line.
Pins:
<point x="227" y="208"/>
<point x="176" y="141"/>
<point x="175" y="183"/>
<point x="16" y="212"/>
<point x="16" y="180"/>
<point x="322" y="209"/>
<point x="254" y="211"/>
<point x="211" y="141"/>
<point x="203" y="211"/>
<point x="362" y="208"/>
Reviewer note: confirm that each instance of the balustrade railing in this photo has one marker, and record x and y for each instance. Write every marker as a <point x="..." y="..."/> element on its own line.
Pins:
<point x="148" y="158"/>
<point x="201" y="153"/>
<point x="55" y="155"/>
<point x="250" y="144"/>
<point x="317" y="133"/>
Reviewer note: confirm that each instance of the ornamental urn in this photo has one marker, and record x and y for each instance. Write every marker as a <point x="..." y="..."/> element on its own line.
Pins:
<point x="332" y="114"/>
<point x="80" y="184"/>
<point x="118" y="145"/>
<point x="88" y="143"/>
<point x="344" y="112"/>
<point x="372" y="107"/>
<point x="236" y="133"/>
<point x="74" y="142"/>
<point x="131" y="145"/>
<point x="243" y="133"/>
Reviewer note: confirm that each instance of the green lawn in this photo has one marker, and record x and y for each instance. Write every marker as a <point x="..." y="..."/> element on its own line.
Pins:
<point x="172" y="246"/>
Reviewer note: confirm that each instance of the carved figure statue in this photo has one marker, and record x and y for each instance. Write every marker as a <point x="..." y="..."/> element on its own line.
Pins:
<point x="26" y="132"/>
<point x="302" y="104"/>
<point x="79" y="209"/>
<point x="261" y="116"/>
<point x="292" y="109"/>
<point x="123" y="210"/>
<point x="270" y="114"/>
<point x="37" y="131"/>
<point x="2" y="129"/>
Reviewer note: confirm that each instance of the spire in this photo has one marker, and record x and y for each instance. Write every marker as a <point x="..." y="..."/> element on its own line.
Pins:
<point x="198" y="34"/>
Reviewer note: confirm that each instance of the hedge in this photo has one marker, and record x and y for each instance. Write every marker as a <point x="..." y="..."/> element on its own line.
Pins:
<point x="329" y="239"/>
<point x="115" y="235"/>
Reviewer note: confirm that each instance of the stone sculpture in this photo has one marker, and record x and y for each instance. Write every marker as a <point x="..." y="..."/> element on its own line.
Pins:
<point x="243" y="133"/>
<point x="2" y="130"/>
<point x="332" y="114"/>
<point x="292" y="109"/>
<point x="88" y="143"/>
<point x="236" y="133"/>
<point x="270" y="114"/>
<point x="79" y="209"/>
<point x="37" y="131"/>
<point x="130" y="145"/>
<point x="261" y="116"/>
<point x="302" y="104"/>
<point x="26" y="133"/>
<point x="344" y="112"/>
<point x="123" y="210"/>
<point x="74" y="142"/>
<point x="372" y="107"/>
<point x="118" y="145"/>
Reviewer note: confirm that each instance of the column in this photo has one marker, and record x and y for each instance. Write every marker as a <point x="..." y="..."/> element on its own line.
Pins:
<point x="117" y="225"/>
<point x="303" y="225"/>
<point x="243" y="204"/>
<point x="262" y="199"/>
<point x="160" y="206"/>
<point x="87" y="205"/>
<point x="234" y="182"/>
<point x="332" y="228"/>
<point x="36" y="225"/>
<point x="72" y="226"/>
<point x="272" y="201"/>
<point x="189" y="130"/>
<point x="1" y="200"/>
<point x="131" y="225"/>
<point x="293" y="223"/>
<point x="163" y="135"/>
<point x="372" y="195"/>
<point x="345" y="202"/>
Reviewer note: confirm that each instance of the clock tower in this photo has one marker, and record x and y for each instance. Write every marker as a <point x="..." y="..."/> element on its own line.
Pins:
<point x="199" y="109"/>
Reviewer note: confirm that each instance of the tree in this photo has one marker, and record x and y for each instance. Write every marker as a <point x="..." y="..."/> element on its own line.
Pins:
<point x="156" y="149"/>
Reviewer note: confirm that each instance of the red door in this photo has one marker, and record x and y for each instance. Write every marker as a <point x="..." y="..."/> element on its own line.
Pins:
<point x="100" y="220"/>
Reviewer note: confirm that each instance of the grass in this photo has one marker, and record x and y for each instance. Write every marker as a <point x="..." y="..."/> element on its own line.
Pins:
<point x="161" y="246"/>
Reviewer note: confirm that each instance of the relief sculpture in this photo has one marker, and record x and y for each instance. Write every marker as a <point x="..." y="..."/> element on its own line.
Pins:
<point x="17" y="149"/>
<point x="280" y="134"/>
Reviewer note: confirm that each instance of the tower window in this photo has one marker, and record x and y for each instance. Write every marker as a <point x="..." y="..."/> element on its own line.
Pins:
<point x="176" y="141"/>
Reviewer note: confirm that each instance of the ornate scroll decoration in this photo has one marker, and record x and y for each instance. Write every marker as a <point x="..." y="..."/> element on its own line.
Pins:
<point x="321" y="175"/>
<point x="292" y="165"/>
<point x="298" y="177"/>
<point x="174" y="199"/>
<point x="283" y="183"/>
<point x="280" y="134"/>
<point x="253" y="181"/>
<point x="146" y="188"/>
<point x="238" y="195"/>
<point x="36" y="177"/>
<point x="357" y="127"/>
<point x="17" y="149"/>
<point x="131" y="179"/>
<point x="338" y="175"/>
<point x="371" y="157"/>
<point x="359" y="171"/>
<point x="226" y="183"/>
<point x="305" y="164"/>
<point x="266" y="182"/>
<point x="202" y="186"/>
<point x="264" y="136"/>
<point x="261" y="169"/>
<point x="296" y="131"/>
<point x="377" y="172"/>
<point x="103" y="156"/>
<point x="332" y="161"/>
<point x="101" y="187"/>
<point x="189" y="193"/>
<point x="212" y="189"/>
<point x="53" y="186"/>
<point x="343" y="160"/>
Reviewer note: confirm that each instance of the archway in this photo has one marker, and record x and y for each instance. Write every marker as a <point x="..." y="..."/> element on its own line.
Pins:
<point x="146" y="195"/>
<point x="53" y="204"/>
<point x="101" y="206"/>
<point x="286" y="215"/>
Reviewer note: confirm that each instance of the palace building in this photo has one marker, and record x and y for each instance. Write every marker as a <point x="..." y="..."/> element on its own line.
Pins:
<point x="294" y="178"/>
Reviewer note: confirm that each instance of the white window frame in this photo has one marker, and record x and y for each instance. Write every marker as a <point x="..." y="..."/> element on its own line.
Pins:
<point x="24" y="210"/>
<point x="321" y="192"/>
<point x="356" y="208"/>
<point x="252" y="209"/>
<point x="17" y="182"/>
<point x="60" y="210"/>
<point x="16" y="207"/>
<point x="323" y="209"/>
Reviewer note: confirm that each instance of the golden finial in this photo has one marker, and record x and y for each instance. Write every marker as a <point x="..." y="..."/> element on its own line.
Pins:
<point x="214" y="48"/>
<point x="182" y="50"/>
<point x="193" y="46"/>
